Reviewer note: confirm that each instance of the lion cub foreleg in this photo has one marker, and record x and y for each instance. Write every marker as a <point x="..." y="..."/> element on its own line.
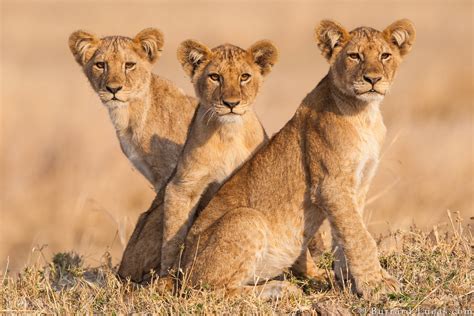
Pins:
<point x="181" y="200"/>
<point x="341" y="269"/>
<point x="358" y="245"/>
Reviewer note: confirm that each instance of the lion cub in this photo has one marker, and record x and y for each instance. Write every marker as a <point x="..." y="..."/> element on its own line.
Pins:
<point x="151" y="115"/>
<point x="318" y="166"/>
<point x="224" y="134"/>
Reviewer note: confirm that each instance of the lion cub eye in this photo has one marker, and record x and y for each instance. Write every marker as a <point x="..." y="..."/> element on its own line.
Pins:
<point x="354" y="56"/>
<point x="385" y="56"/>
<point x="130" y="65"/>
<point x="100" y="65"/>
<point x="214" y="77"/>
<point x="244" y="77"/>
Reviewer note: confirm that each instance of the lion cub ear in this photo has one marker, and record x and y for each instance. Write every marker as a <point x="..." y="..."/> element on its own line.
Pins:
<point x="401" y="34"/>
<point x="191" y="54"/>
<point x="151" y="42"/>
<point x="265" y="55"/>
<point x="330" y="37"/>
<point x="83" y="45"/>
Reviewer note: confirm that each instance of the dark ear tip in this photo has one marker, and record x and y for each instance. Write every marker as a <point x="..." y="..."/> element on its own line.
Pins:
<point x="405" y="21"/>
<point x="265" y="42"/>
<point x="265" y="54"/>
<point x="266" y="45"/>
<point x="153" y="34"/>
<point x="326" y="22"/>
<point x="191" y="54"/>
<point x="185" y="46"/>
<point x="72" y="40"/>
<point x="76" y="36"/>
<point x="323" y="24"/>
<point x="189" y="43"/>
<point x="150" y="30"/>
<point x="410" y="26"/>
<point x="405" y="24"/>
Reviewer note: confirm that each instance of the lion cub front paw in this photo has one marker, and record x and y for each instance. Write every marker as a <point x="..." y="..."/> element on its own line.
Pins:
<point x="373" y="286"/>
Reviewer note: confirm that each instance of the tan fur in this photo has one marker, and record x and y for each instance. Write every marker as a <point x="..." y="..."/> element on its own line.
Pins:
<point x="319" y="165"/>
<point x="221" y="138"/>
<point x="348" y="76"/>
<point x="151" y="115"/>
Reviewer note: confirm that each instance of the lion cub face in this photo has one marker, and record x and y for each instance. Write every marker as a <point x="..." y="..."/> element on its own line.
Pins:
<point x="118" y="68"/>
<point x="364" y="61"/>
<point x="227" y="78"/>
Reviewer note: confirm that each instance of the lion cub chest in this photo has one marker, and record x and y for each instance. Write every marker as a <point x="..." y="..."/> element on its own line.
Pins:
<point x="231" y="152"/>
<point x="135" y="155"/>
<point x="367" y="159"/>
<point x="370" y="136"/>
<point x="130" y="141"/>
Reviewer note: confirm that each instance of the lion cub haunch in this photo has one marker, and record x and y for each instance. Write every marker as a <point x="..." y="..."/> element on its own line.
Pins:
<point x="151" y="116"/>
<point x="225" y="132"/>
<point x="318" y="166"/>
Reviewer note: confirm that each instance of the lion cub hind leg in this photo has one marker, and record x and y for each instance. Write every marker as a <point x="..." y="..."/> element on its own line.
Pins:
<point x="227" y="255"/>
<point x="143" y="251"/>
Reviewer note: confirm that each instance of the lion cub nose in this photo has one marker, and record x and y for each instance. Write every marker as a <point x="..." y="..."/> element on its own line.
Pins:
<point x="231" y="104"/>
<point x="113" y="90"/>
<point x="372" y="79"/>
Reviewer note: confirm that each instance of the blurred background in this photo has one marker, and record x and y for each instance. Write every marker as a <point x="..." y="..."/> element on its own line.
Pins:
<point x="65" y="184"/>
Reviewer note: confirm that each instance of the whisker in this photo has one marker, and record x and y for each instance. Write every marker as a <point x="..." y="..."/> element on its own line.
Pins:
<point x="210" y="117"/>
<point x="208" y="112"/>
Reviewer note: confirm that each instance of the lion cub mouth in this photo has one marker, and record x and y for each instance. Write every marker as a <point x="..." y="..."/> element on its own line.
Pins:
<point x="231" y="112"/>
<point x="371" y="91"/>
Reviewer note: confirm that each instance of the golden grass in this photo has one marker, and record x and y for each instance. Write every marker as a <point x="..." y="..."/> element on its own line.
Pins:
<point x="435" y="270"/>
<point x="66" y="184"/>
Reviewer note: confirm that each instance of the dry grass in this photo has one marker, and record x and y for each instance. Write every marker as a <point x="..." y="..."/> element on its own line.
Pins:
<point x="435" y="269"/>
